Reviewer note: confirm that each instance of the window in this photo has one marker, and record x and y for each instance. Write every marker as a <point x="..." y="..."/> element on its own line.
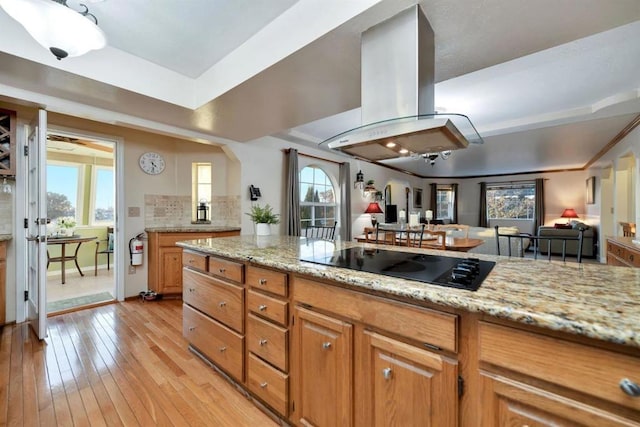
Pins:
<point x="317" y="198"/>
<point x="445" y="199"/>
<point x="511" y="201"/>
<point x="201" y="185"/>
<point x="63" y="189"/>
<point x="103" y="196"/>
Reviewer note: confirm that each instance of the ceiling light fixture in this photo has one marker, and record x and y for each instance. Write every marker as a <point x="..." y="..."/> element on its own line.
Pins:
<point x="431" y="157"/>
<point x="403" y="151"/>
<point x="62" y="30"/>
<point x="391" y="144"/>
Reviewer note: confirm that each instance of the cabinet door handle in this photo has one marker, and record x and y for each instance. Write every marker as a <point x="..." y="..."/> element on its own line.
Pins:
<point x="222" y="270"/>
<point x="262" y="307"/>
<point x="223" y="349"/>
<point x="326" y="345"/>
<point x="386" y="373"/>
<point x="222" y="304"/>
<point x="191" y="328"/>
<point x="191" y="261"/>
<point x="263" y="385"/>
<point x="262" y="342"/>
<point x="629" y="387"/>
<point x="192" y="290"/>
<point x="262" y="281"/>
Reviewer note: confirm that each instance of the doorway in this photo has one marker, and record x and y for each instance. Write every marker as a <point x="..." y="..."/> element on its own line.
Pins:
<point x="81" y="208"/>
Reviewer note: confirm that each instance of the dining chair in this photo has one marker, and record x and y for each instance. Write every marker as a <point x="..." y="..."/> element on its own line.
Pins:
<point x="628" y="229"/>
<point x="388" y="235"/>
<point x="326" y="232"/>
<point x="414" y="236"/>
<point x="537" y="241"/>
<point x="107" y="249"/>
<point x="436" y="239"/>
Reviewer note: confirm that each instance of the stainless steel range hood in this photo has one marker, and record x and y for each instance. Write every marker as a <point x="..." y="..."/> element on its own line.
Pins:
<point x="398" y="77"/>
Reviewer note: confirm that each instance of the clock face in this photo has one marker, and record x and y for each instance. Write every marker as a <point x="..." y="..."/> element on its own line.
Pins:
<point x="152" y="163"/>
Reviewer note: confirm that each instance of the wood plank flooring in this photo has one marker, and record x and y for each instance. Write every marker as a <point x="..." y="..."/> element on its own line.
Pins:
<point x="117" y="365"/>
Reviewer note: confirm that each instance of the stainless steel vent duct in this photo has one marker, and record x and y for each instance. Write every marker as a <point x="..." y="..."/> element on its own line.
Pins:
<point x="398" y="76"/>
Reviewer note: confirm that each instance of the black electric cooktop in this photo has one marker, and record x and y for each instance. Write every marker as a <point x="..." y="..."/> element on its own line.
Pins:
<point x="462" y="273"/>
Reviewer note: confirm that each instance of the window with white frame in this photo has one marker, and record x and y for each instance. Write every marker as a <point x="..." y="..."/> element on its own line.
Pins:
<point x="317" y="198"/>
<point x="64" y="187"/>
<point x="445" y="199"/>
<point x="511" y="201"/>
<point x="103" y="199"/>
<point x="201" y="180"/>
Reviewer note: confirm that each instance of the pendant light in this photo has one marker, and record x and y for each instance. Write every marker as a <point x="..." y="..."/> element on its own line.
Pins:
<point x="58" y="28"/>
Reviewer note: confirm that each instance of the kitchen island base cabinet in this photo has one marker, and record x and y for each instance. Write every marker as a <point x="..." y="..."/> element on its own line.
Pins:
<point x="324" y="368"/>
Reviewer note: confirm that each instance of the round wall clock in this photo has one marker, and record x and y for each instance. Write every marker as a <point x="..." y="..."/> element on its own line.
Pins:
<point x="152" y="163"/>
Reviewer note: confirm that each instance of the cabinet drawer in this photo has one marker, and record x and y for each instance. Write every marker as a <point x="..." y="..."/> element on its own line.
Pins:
<point x="218" y="343"/>
<point x="194" y="260"/>
<point x="268" y="384"/>
<point x="170" y="239"/>
<point x="633" y="258"/>
<point x="3" y="250"/>
<point x="267" y="280"/>
<point x="226" y="269"/>
<point x="268" y="341"/>
<point x="271" y="308"/>
<point x="579" y="367"/>
<point x="220" y="300"/>
<point x="421" y="324"/>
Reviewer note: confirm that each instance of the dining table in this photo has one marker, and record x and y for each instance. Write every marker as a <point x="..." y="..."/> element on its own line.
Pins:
<point x="63" y="241"/>
<point x="452" y="243"/>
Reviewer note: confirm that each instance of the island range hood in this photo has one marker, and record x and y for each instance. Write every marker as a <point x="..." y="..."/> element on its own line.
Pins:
<point x="398" y="78"/>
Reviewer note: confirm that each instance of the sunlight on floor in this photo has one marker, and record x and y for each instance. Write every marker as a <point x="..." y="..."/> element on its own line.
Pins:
<point x="79" y="290"/>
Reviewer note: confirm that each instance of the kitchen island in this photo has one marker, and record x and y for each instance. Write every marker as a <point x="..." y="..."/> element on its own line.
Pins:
<point x="539" y="340"/>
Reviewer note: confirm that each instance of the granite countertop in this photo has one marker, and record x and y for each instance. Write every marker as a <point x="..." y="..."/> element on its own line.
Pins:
<point x="5" y="237"/>
<point x="192" y="228"/>
<point x="593" y="300"/>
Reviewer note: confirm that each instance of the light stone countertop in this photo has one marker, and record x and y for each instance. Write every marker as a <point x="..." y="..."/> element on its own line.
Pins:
<point x="593" y="300"/>
<point x="5" y="237"/>
<point x="193" y="228"/>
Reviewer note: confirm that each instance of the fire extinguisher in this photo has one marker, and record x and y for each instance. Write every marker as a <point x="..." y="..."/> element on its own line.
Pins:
<point x="136" y="249"/>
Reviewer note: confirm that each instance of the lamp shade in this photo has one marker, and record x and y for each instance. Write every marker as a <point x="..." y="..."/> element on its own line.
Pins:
<point x="569" y="213"/>
<point x="56" y="27"/>
<point x="373" y="208"/>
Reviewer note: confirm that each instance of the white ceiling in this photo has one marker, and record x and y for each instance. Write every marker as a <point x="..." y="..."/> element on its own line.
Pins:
<point x="547" y="83"/>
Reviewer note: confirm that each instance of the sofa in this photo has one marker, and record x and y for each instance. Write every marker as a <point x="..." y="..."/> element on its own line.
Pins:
<point x="588" y="239"/>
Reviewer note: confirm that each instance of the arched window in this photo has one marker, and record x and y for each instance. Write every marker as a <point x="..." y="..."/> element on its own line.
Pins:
<point x="317" y="198"/>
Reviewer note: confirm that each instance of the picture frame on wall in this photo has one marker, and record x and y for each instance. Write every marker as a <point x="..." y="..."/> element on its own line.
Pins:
<point x="591" y="190"/>
<point x="417" y="198"/>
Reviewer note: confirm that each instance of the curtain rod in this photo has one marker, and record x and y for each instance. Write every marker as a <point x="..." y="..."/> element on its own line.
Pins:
<point x="286" y="150"/>
<point x="511" y="182"/>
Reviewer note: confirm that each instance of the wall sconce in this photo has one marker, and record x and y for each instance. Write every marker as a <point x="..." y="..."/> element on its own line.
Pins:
<point x="359" y="182"/>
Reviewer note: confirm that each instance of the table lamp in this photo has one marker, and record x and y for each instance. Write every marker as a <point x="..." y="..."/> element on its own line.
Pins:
<point x="569" y="213"/>
<point x="373" y="209"/>
<point x="428" y="215"/>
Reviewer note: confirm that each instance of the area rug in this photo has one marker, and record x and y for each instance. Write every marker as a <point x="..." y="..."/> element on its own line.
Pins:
<point x="78" y="301"/>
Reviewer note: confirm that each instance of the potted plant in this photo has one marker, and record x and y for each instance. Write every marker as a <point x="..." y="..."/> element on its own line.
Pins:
<point x="263" y="217"/>
<point x="66" y="225"/>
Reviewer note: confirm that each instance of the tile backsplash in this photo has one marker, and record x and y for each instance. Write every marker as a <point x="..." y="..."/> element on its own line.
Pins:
<point x="175" y="211"/>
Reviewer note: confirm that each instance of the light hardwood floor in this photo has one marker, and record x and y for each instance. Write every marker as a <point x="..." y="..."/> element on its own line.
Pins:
<point x="120" y="364"/>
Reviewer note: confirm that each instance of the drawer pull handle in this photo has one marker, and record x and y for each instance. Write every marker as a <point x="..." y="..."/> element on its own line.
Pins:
<point x="326" y="345"/>
<point x="222" y="304"/>
<point x="222" y="270"/>
<point x="191" y="328"/>
<point x="631" y="257"/>
<point x="262" y="307"/>
<point x="192" y="290"/>
<point x="262" y="281"/>
<point x="386" y="373"/>
<point x="191" y="261"/>
<point x="223" y="349"/>
<point x="629" y="387"/>
<point x="263" y="385"/>
<point x="262" y="342"/>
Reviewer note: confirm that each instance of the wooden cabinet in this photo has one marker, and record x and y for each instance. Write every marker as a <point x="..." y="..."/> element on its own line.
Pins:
<point x="528" y="378"/>
<point x="3" y="282"/>
<point x="213" y="315"/>
<point x="409" y="386"/>
<point x="268" y="337"/>
<point x="371" y="355"/>
<point x="622" y="252"/>
<point x="165" y="259"/>
<point x="324" y="370"/>
<point x="7" y="143"/>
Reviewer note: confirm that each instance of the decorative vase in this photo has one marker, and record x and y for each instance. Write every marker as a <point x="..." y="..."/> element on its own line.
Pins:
<point x="263" y="229"/>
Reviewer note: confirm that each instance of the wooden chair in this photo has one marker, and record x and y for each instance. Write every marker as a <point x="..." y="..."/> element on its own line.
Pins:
<point x="413" y="236"/>
<point x="325" y="232"/>
<point x="628" y="229"/>
<point x="537" y="240"/>
<point x="108" y="249"/>
<point x="440" y="241"/>
<point x="385" y="236"/>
